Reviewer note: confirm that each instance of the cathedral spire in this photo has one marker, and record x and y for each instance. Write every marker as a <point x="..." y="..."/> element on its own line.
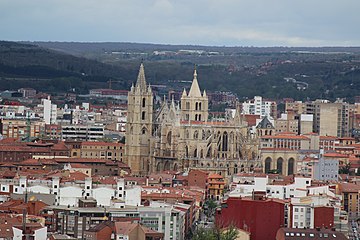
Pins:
<point x="184" y="94"/>
<point x="141" y="82"/>
<point x="195" y="89"/>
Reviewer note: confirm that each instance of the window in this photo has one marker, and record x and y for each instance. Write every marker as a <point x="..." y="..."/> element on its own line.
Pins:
<point x="143" y="102"/>
<point x="143" y="115"/>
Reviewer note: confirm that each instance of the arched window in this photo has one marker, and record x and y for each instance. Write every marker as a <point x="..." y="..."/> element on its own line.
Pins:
<point x="196" y="117"/>
<point x="143" y="130"/>
<point x="143" y="115"/>
<point x="143" y="102"/>
<point x="291" y="166"/>
<point x="196" y="134"/>
<point x="199" y="117"/>
<point x="235" y="169"/>
<point x="200" y="106"/>
<point x="225" y="142"/>
<point x="267" y="165"/>
<point x="195" y="153"/>
<point x="187" y="105"/>
<point x="196" y="106"/>
<point x="279" y="166"/>
<point x="168" y="138"/>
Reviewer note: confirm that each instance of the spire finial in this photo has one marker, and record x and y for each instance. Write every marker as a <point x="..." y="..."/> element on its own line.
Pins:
<point x="195" y="72"/>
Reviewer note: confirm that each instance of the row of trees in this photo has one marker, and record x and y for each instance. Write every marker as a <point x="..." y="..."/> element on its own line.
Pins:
<point x="216" y="233"/>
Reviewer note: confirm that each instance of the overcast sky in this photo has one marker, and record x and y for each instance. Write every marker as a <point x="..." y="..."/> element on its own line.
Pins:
<point x="203" y="22"/>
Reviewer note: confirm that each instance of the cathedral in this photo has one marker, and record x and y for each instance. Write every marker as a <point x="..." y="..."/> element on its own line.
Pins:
<point x="180" y="135"/>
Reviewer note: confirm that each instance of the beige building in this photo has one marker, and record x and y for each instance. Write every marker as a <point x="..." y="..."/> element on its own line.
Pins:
<point x="283" y="161"/>
<point x="331" y="119"/>
<point x="298" y="107"/>
<point x="181" y="137"/>
<point x="103" y="150"/>
<point x="13" y="128"/>
<point x="287" y="123"/>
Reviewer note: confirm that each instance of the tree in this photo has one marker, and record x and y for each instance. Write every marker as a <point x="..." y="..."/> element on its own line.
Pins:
<point x="210" y="206"/>
<point x="216" y="233"/>
<point x="229" y="233"/>
<point x="203" y="234"/>
<point x="345" y="169"/>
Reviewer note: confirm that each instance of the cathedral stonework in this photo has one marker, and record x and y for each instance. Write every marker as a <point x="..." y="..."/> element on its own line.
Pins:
<point x="182" y="137"/>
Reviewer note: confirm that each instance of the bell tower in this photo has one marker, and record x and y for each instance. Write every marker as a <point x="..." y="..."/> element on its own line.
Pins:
<point x="194" y="106"/>
<point x="139" y="126"/>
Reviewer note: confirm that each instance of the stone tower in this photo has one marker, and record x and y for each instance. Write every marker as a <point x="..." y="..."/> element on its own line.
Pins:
<point x="194" y="106"/>
<point x="139" y="126"/>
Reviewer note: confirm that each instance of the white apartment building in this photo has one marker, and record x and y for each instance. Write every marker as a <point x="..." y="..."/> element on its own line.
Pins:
<point x="69" y="193"/>
<point x="159" y="213"/>
<point x="49" y="111"/>
<point x="258" y="106"/>
<point x="301" y="187"/>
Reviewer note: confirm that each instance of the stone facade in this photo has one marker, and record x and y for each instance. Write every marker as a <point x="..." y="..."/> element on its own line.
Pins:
<point x="176" y="137"/>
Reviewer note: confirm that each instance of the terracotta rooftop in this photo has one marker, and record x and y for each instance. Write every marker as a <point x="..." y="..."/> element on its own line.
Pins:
<point x="335" y="155"/>
<point x="328" y="138"/>
<point x="215" y="176"/>
<point x="102" y="144"/>
<point x="349" y="187"/>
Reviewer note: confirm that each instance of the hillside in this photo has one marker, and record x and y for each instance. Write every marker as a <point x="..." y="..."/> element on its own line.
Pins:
<point x="49" y="70"/>
<point x="299" y="73"/>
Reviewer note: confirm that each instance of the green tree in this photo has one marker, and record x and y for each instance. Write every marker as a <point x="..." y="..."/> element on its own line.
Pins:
<point x="345" y="169"/>
<point x="210" y="206"/>
<point x="203" y="234"/>
<point x="216" y="233"/>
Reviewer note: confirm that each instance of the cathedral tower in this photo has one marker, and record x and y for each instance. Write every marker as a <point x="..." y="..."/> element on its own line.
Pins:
<point x="139" y="126"/>
<point x="194" y="106"/>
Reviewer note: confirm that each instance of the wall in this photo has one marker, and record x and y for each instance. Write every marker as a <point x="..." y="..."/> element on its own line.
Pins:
<point x="242" y="213"/>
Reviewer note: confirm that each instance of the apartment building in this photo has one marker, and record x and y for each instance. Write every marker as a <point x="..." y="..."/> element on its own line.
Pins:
<point x="260" y="106"/>
<point x="103" y="150"/>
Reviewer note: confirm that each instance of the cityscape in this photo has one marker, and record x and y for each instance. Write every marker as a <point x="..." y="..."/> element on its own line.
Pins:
<point x="231" y="121"/>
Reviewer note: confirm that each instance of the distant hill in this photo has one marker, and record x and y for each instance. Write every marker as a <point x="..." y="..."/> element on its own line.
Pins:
<point x="279" y="72"/>
<point x="25" y="64"/>
<point x="99" y="47"/>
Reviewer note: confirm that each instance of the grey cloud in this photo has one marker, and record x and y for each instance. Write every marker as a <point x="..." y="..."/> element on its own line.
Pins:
<point x="209" y="22"/>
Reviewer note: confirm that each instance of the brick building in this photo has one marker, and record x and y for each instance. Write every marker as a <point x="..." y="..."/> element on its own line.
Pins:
<point x="262" y="217"/>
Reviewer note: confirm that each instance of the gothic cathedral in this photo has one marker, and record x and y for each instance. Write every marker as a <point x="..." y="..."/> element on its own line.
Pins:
<point x="181" y="137"/>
